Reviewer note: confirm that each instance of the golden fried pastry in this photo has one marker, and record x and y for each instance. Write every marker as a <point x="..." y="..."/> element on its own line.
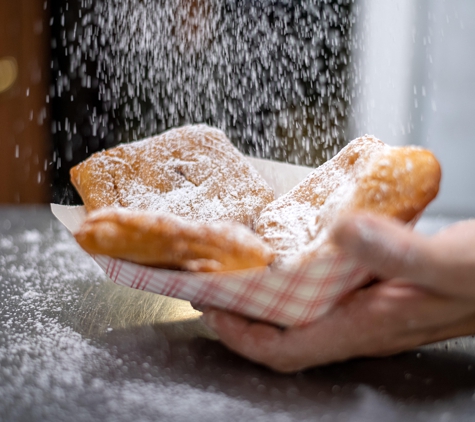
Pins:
<point x="366" y="175"/>
<point x="193" y="172"/>
<point x="165" y="240"/>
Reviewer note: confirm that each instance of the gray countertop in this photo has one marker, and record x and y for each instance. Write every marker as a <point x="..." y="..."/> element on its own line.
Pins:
<point x="76" y="347"/>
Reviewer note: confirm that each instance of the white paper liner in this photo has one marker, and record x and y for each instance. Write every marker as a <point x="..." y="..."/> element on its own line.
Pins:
<point x="282" y="297"/>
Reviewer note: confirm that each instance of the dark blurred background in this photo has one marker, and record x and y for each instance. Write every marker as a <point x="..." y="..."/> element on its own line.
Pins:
<point x="273" y="74"/>
<point x="285" y="79"/>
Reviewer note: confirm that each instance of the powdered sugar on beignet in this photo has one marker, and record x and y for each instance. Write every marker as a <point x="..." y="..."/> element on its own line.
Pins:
<point x="193" y="171"/>
<point x="366" y="175"/>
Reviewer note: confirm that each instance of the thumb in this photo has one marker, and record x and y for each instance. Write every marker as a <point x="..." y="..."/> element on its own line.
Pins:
<point x="387" y="247"/>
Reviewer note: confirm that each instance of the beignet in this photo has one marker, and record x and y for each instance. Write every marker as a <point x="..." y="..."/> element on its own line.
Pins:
<point x="168" y="241"/>
<point x="193" y="172"/>
<point x="366" y="175"/>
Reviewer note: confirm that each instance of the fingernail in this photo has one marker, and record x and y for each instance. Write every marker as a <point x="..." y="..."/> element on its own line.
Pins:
<point x="199" y="307"/>
<point x="357" y="236"/>
<point x="365" y="230"/>
<point x="350" y="234"/>
<point x="382" y="244"/>
<point x="210" y="320"/>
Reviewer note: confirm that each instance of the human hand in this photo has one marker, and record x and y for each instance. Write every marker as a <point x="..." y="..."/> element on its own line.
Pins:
<point x="428" y="295"/>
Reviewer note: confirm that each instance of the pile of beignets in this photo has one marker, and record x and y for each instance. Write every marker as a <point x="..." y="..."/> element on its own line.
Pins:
<point x="189" y="200"/>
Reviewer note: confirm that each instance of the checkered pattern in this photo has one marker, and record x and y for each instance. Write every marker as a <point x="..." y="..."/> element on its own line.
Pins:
<point x="284" y="298"/>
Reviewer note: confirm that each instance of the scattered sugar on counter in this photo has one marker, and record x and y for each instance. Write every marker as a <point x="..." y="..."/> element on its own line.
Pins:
<point x="44" y="360"/>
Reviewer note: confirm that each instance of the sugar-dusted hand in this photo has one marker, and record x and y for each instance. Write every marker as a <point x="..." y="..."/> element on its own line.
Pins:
<point x="427" y="293"/>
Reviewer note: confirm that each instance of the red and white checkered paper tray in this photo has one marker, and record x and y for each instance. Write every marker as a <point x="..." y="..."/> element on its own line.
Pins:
<point x="282" y="297"/>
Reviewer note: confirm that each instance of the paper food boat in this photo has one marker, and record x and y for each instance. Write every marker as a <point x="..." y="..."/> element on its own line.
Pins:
<point x="281" y="297"/>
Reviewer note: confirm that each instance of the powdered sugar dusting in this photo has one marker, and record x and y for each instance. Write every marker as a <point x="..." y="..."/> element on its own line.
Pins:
<point x="50" y="371"/>
<point x="299" y="221"/>
<point x="193" y="171"/>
